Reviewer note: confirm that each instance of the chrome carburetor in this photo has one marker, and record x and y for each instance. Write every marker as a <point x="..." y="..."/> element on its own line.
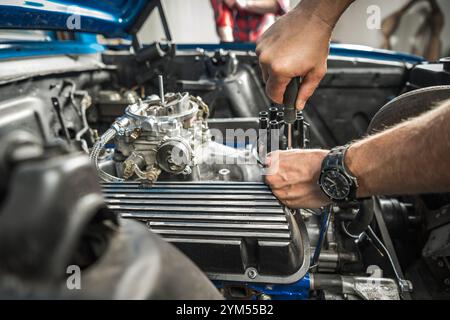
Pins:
<point x="161" y="133"/>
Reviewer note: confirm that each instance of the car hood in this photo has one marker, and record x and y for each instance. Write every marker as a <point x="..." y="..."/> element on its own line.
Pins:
<point x="114" y="18"/>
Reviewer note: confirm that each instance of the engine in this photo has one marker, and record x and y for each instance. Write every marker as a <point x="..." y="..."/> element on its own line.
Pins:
<point x="205" y="197"/>
<point x="191" y="170"/>
<point x="167" y="137"/>
<point x="168" y="170"/>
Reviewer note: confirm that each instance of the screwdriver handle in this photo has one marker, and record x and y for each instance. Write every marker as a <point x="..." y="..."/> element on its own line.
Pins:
<point x="290" y="98"/>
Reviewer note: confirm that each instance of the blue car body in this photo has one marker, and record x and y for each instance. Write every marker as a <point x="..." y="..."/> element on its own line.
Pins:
<point x="115" y="19"/>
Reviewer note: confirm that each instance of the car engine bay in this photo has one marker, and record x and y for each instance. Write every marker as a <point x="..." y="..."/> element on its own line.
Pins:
<point x="177" y="138"/>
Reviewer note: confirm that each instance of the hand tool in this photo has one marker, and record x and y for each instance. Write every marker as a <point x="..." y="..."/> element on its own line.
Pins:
<point x="289" y="100"/>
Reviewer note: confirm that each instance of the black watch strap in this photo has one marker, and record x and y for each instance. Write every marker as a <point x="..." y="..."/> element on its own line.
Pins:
<point x="335" y="160"/>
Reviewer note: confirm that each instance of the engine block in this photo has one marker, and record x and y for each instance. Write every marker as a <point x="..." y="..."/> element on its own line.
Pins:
<point x="234" y="231"/>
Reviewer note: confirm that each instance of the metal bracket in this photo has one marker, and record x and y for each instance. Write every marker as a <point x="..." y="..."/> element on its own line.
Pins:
<point x="405" y="285"/>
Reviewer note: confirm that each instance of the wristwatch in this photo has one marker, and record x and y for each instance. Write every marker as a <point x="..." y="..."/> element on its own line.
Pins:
<point x="335" y="180"/>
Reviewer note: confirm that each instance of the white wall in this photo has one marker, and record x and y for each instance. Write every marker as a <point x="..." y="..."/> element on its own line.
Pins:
<point x="192" y="21"/>
<point x="352" y="26"/>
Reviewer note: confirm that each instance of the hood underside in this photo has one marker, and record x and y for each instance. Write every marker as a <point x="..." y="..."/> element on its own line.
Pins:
<point x="114" y="18"/>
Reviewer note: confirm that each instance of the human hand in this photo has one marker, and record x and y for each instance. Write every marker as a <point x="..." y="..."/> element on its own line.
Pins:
<point x="294" y="177"/>
<point x="296" y="45"/>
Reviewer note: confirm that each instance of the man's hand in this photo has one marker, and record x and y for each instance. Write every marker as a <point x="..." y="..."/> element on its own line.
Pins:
<point x="294" y="177"/>
<point x="412" y="157"/>
<point x="297" y="45"/>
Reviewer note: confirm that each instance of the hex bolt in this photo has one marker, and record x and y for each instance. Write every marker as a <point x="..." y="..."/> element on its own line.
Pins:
<point x="224" y="174"/>
<point x="252" y="273"/>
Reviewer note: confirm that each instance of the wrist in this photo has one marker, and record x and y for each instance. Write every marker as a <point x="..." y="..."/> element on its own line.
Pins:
<point x="354" y="164"/>
<point x="336" y="180"/>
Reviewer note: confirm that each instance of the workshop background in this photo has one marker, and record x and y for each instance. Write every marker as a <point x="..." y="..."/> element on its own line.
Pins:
<point x="191" y="21"/>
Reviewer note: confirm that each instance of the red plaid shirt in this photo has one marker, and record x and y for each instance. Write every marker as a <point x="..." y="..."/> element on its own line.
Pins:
<point x="247" y="26"/>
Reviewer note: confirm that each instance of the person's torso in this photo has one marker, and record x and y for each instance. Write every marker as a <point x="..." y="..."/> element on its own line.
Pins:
<point x="248" y="27"/>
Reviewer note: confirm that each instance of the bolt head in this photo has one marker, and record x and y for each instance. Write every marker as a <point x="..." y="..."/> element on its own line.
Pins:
<point x="252" y="273"/>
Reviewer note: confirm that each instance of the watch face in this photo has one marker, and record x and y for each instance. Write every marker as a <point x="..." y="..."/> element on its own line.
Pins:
<point x="335" y="185"/>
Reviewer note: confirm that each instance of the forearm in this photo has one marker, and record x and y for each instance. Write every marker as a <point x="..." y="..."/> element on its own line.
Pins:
<point x="412" y="157"/>
<point x="327" y="10"/>
<point x="259" y="6"/>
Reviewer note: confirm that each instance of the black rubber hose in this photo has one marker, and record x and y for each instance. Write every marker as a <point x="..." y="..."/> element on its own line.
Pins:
<point x="323" y="281"/>
<point x="362" y="220"/>
<point x="153" y="52"/>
